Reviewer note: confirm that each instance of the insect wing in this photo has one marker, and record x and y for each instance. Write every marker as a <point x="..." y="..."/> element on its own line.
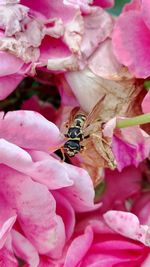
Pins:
<point x="94" y="115"/>
<point x="73" y="113"/>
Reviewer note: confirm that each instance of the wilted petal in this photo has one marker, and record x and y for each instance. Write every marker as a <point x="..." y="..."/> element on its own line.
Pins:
<point x="10" y="17"/>
<point x="97" y="27"/>
<point x="89" y="88"/>
<point x="104" y="64"/>
<point x="73" y="32"/>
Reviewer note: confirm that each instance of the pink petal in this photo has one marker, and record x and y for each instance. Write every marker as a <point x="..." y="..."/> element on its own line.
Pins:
<point x="5" y="229"/>
<point x="132" y="5"/>
<point x="8" y="84"/>
<point x="127" y="224"/>
<point x="41" y="167"/>
<point x="9" y="64"/>
<point x="75" y="254"/>
<point x="65" y="210"/>
<point x="146" y="263"/>
<point x="141" y="208"/>
<point x="81" y="194"/>
<point x="26" y="128"/>
<point x="145" y="12"/>
<point x="24" y="249"/>
<point x="7" y="257"/>
<point x="35" y="207"/>
<point x="56" y="55"/>
<point x="128" y="184"/>
<point x="146" y="103"/>
<point x="130" y="146"/>
<point x="129" y="49"/>
<point x="104" y="64"/>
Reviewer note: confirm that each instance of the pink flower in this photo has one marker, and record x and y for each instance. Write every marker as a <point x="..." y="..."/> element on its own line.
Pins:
<point x="37" y="190"/>
<point x="132" y="48"/>
<point x="103" y="247"/>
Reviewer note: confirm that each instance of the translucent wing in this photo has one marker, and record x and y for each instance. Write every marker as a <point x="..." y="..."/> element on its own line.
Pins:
<point x="70" y="120"/>
<point x="94" y="115"/>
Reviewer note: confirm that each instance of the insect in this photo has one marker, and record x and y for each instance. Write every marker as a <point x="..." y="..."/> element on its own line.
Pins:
<point x="75" y="133"/>
<point x="85" y="135"/>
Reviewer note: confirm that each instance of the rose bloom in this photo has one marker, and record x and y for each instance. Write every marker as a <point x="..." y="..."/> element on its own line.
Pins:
<point x="132" y="48"/>
<point x="39" y="194"/>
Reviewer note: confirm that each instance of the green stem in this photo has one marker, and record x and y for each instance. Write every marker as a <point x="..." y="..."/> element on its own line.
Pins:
<point x="141" y="119"/>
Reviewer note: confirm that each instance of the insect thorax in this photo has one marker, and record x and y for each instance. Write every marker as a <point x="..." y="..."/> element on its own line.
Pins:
<point x="79" y="120"/>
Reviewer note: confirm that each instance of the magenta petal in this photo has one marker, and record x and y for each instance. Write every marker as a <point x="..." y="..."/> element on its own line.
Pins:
<point x="104" y="3"/>
<point x="129" y="49"/>
<point x="30" y="130"/>
<point x="24" y="249"/>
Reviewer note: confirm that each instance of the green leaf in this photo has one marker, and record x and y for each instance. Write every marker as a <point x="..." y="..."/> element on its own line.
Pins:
<point x="116" y="10"/>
